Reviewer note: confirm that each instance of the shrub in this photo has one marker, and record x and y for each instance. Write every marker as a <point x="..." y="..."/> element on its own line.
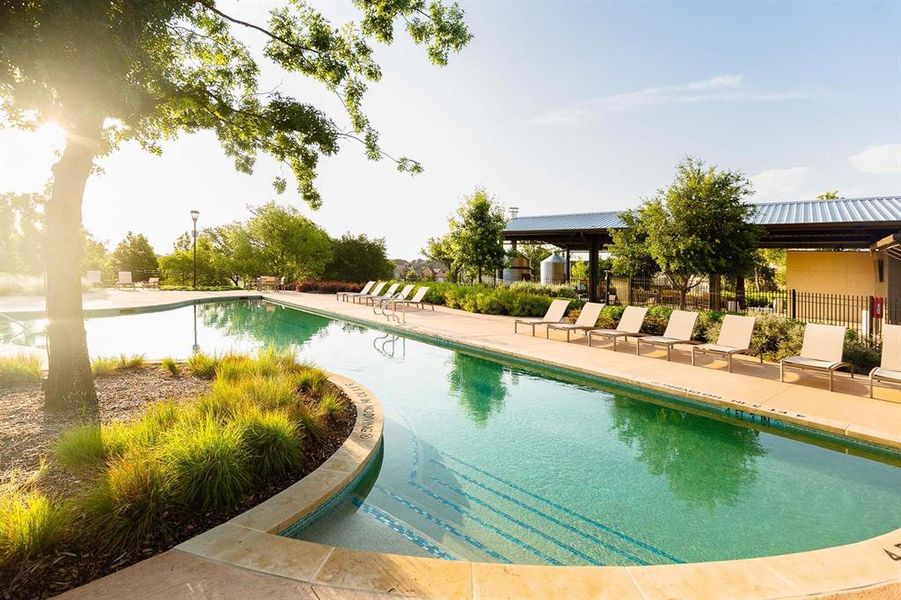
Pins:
<point x="863" y="355"/>
<point x="777" y="337"/>
<point x="272" y="441"/>
<point x="135" y="361"/>
<point x="540" y="289"/>
<point x="30" y="522"/>
<point x="656" y="319"/>
<point x="103" y="366"/>
<point x="526" y="305"/>
<point x="707" y="327"/>
<point x="327" y="287"/>
<point x="21" y="368"/>
<point x="207" y="464"/>
<point x="169" y="365"/>
<point x="129" y="501"/>
<point x="202" y="365"/>
<point x="232" y="367"/>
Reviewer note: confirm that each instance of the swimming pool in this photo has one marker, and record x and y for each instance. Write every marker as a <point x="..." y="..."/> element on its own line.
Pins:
<point x="490" y="462"/>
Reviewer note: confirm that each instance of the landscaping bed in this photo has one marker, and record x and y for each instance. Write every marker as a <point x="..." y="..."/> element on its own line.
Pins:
<point x="176" y="449"/>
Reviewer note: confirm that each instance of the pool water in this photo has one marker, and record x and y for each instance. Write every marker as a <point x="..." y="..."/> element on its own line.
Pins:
<point x="489" y="462"/>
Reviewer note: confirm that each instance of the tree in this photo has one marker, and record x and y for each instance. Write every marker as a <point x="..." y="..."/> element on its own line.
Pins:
<point x="629" y="251"/>
<point x="286" y="244"/>
<point x="110" y="71"/>
<point x="94" y="254"/>
<point x="134" y="253"/>
<point x="178" y="266"/>
<point x="441" y="249"/>
<point x="479" y="233"/>
<point x="833" y="195"/>
<point x="699" y="226"/>
<point x="358" y="258"/>
<point x="21" y="221"/>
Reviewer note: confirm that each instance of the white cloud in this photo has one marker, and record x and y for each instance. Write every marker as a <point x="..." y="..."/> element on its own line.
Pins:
<point x="715" y="89"/>
<point x="781" y="184"/>
<point x="885" y="158"/>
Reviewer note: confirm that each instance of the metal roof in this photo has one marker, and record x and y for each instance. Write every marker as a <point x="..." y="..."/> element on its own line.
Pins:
<point x="805" y="212"/>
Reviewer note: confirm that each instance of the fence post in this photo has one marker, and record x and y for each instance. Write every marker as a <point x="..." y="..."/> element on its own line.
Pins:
<point x="629" y="293"/>
<point x="793" y="304"/>
<point x="740" y="292"/>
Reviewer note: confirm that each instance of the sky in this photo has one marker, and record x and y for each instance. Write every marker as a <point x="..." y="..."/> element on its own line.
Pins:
<point x="554" y="107"/>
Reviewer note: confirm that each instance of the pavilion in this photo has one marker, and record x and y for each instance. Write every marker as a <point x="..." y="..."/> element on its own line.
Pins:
<point x="847" y="223"/>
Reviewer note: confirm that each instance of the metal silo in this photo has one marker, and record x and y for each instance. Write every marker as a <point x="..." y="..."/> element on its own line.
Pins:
<point x="553" y="270"/>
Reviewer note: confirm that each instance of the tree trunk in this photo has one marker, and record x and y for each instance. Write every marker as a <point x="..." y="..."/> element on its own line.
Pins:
<point x="69" y="385"/>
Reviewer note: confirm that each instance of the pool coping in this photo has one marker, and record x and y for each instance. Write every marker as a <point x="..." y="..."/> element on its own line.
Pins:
<point x="252" y="541"/>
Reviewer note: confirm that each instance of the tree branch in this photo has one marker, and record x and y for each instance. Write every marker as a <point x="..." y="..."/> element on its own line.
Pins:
<point x="262" y="30"/>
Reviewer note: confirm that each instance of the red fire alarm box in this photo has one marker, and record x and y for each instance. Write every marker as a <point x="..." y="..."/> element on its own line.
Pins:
<point x="877" y="307"/>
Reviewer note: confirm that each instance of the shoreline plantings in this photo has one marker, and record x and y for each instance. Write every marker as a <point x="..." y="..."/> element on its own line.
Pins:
<point x="139" y="486"/>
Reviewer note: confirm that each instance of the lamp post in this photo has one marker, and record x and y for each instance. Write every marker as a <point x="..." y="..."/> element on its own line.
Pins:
<point x="194" y="215"/>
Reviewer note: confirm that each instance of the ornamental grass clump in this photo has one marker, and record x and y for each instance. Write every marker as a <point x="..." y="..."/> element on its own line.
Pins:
<point x="169" y="365"/>
<point x="22" y="368"/>
<point x="273" y="442"/>
<point x="207" y="463"/>
<point x="101" y="366"/>
<point x="129" y="501"/>
<point x="331" y="405"/>
<point x="30" y="521"/>
<point x="135" y="361"/>
<point x="202" y="365"/>
<point x="311" y="381"/>
<point x="80" y="448"/>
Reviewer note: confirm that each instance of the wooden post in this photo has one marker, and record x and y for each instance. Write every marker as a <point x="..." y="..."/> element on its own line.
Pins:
<point x="593" y="275"/>
<point x="568" y="267"/>
<point x="606" y="286"/>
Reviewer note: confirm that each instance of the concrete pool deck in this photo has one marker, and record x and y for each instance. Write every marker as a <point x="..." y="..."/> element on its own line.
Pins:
<point x="245" y="559"/>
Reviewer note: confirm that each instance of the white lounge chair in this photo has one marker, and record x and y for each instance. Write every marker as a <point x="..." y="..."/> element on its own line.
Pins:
<point x="890" y="369"/>
<point x="374" y="298"/>
<point x="629" y="326"/>
<point x="821" y="351"/>
<point x="375" y="291"/>
<point x="398" y="297"/>
<point x="555" y="313"/>
<point x="734" y="338"/>
<point x="363" y="292"/>
<point x="679" y="330"/>
<point x="418" y="300"/>
<point x="588" y="320"/>
<point x="152" y="283"/>
<point x="125" y="280"/>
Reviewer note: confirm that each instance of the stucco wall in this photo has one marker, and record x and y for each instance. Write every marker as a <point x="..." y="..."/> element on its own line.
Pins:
<point x="832" y="272"/>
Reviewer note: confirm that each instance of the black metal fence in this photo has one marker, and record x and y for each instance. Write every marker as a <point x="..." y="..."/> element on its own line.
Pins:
<point x="864" y="314"/>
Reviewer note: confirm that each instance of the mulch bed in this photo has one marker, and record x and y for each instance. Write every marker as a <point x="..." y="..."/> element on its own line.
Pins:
<point x="28" y="433"/>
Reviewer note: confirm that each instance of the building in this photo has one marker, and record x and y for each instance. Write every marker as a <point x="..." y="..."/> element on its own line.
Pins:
<point x="868" y="228"/>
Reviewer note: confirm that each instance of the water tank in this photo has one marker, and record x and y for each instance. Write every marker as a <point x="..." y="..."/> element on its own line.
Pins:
<point x="553" y="270"/>
<point x="518" y="270"/>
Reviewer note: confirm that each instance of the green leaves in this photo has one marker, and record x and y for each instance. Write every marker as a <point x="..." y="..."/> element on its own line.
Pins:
<point x="159" y="69"/>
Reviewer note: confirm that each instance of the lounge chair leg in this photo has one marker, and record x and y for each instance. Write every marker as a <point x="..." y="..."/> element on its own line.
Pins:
<point x="782" y="372"/>
<point x="547" y="332"/>
<point x="589" y="339"/>
<point x="831" y="373"/>
<point x="637" y="347"/>
<point x="567" y="335"/>
<point x="871" y="386"/>
<point x="614" y="343"/>
<point x="729" y="362"/>
<point x="668" y="348"/>
<point x="692" y="357"/>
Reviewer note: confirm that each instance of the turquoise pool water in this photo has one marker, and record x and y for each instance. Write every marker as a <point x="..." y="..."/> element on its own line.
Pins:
<point x="490" y="462"/>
